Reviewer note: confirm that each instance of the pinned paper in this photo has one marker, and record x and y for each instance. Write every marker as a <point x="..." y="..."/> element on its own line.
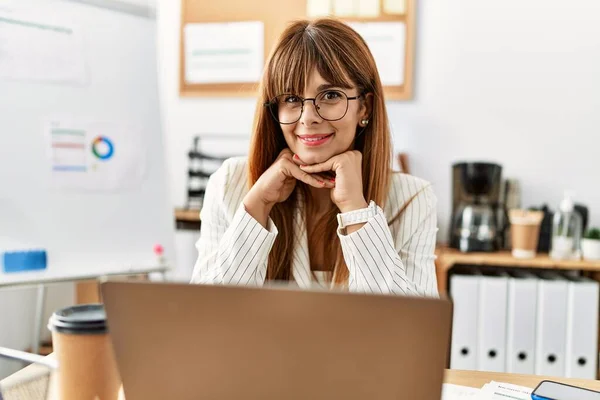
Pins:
<point x="318" y="8"/>
<point x="387" y="41"/>
<point x="394" y="7"/>
<point x="224" y="52"/>
<point x="94" y="155"/>
<point x="368" y="8"/>
<point x="344" y="8"/>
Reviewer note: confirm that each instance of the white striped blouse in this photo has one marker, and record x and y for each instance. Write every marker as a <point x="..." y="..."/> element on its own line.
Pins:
<point x="382" y="258"/>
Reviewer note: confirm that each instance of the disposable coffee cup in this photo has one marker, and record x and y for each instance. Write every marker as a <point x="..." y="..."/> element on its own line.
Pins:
<point x="525" y="232"/>
<point x="87" y="369"/>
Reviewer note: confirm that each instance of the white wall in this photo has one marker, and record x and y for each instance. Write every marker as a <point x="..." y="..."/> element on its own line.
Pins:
<point x="511" y="81"/>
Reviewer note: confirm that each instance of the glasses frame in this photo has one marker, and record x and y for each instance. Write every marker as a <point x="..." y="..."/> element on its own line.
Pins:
<point x="314" y="101"/>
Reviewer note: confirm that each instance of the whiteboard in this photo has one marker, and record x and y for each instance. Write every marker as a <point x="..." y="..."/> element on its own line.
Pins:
<point x="86" y="232"/>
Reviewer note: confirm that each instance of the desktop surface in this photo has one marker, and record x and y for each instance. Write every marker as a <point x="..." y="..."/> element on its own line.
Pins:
<point x="474" y="379"/>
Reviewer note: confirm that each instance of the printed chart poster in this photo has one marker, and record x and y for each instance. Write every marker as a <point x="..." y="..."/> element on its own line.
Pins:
<point x="95" y="156"/>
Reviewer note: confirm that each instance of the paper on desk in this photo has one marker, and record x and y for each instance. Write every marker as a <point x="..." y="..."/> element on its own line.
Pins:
<point x="505" y="391"/>
<point x="456" y="392"/>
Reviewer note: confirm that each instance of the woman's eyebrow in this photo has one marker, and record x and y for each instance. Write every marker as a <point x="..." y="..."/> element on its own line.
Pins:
<point x="325" y="86"/>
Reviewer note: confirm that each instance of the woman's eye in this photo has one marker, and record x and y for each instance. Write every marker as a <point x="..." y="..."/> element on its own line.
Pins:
<point x="291" y="99"/>
<point x="332" y="95"/>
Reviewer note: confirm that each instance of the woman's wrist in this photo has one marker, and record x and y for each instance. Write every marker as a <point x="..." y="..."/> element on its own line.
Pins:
<point x="257" y="207"/>
<point x="353" y="205"/>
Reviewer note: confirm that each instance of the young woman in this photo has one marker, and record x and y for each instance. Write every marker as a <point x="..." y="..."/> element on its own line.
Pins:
<point x="316" y="200"/>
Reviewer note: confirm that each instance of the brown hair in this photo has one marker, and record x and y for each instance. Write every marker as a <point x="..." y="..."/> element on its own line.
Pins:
<point x="341" y="57"/>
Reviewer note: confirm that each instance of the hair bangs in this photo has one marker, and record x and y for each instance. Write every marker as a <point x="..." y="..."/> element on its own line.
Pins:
<point x="296" y="59"/>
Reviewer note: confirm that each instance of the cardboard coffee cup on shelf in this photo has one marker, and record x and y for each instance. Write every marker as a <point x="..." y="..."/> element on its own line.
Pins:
<point x="86" y="363"/>
<point x="525" y="232"/>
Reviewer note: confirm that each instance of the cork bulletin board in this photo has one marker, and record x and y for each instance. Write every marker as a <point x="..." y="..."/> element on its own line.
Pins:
<point x="274" y="16"/>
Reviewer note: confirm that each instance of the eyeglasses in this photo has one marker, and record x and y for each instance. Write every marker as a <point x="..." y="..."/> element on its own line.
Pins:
<point x="331" y="105"/>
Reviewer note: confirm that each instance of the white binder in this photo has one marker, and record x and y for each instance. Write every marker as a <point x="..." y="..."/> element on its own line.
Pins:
<point x="582" y="329"/>
<point x="520" y="321"/>
<point x="491" y="348"/>
<point x="551" y="326"/>
<point x="464" y="291"/>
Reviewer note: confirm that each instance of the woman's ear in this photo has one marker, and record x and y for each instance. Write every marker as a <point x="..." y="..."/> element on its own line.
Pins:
<point x="367" y="106"/>
<point x="366" y="109"/>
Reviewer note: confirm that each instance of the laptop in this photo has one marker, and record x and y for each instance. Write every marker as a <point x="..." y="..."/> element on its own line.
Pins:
<point x="179" y="341"/>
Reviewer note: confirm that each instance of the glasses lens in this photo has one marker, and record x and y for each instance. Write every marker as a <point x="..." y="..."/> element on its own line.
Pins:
<point x="286" y="108"/>
<point x="332" y="104"/>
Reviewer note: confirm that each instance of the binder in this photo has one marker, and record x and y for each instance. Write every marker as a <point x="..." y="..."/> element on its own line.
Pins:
<point x="520" y="321"/>
<point x="464" y="290"/>
<point x="551" y="324"/>
<point x="582" y="328"/>
<point x="491" y="348"/>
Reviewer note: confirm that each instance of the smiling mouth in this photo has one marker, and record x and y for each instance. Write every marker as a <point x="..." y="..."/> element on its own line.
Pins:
<point x="314" y="140"/>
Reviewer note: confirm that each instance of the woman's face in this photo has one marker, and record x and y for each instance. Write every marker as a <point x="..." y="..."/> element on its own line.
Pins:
<point x="313" y="138"/>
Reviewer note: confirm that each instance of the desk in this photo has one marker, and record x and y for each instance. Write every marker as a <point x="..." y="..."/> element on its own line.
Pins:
<point x="39" y="280"/>
<point x="478" y="378"/>
<point x="465" y="378"/>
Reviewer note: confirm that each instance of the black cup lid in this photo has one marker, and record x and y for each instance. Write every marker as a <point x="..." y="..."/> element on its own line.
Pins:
<point x="80" y="319"/>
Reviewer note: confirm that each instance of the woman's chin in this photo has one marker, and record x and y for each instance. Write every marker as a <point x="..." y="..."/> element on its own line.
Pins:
<point x="311" y="158"/>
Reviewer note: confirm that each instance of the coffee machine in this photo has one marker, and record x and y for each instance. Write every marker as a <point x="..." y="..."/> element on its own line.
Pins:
<point x="478" y="214"/>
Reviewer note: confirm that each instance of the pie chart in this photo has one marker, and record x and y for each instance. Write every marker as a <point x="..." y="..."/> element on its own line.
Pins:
<point x="103" y="148"/>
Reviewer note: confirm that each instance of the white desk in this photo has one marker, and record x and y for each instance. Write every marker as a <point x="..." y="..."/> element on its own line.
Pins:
<point x="40" y="279"/>
<point x="458" y="377"/>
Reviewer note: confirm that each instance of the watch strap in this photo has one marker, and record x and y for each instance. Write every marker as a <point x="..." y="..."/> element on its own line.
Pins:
<point x="357" y="216"/>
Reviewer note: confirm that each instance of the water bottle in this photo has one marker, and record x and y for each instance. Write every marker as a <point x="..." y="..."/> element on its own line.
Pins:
<point x="566" y="231"/>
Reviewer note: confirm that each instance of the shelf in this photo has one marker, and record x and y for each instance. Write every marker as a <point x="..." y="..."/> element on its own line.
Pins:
<point x="187" y="214"/>
<point x="447" y="258"/>
<point x="450" y="257"/>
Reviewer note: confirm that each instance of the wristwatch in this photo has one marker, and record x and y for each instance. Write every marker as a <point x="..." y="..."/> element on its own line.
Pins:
<point x="357" y="216"/>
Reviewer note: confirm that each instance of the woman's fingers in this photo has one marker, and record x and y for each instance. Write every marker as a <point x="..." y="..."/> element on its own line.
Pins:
<point x="325" y="176"/>
<point x="321" y="167"/>
<point x="292" y="169"/>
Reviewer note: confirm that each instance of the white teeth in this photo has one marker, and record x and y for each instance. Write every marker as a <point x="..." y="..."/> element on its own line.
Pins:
<point x="314" y="139"/>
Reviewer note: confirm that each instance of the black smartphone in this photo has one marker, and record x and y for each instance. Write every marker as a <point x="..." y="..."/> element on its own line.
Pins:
<point x="550" y="390"/>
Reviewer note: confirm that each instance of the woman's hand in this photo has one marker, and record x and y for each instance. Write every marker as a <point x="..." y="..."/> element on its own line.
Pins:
<point x="347" y="193"/>
<point x="276" y="184"/>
